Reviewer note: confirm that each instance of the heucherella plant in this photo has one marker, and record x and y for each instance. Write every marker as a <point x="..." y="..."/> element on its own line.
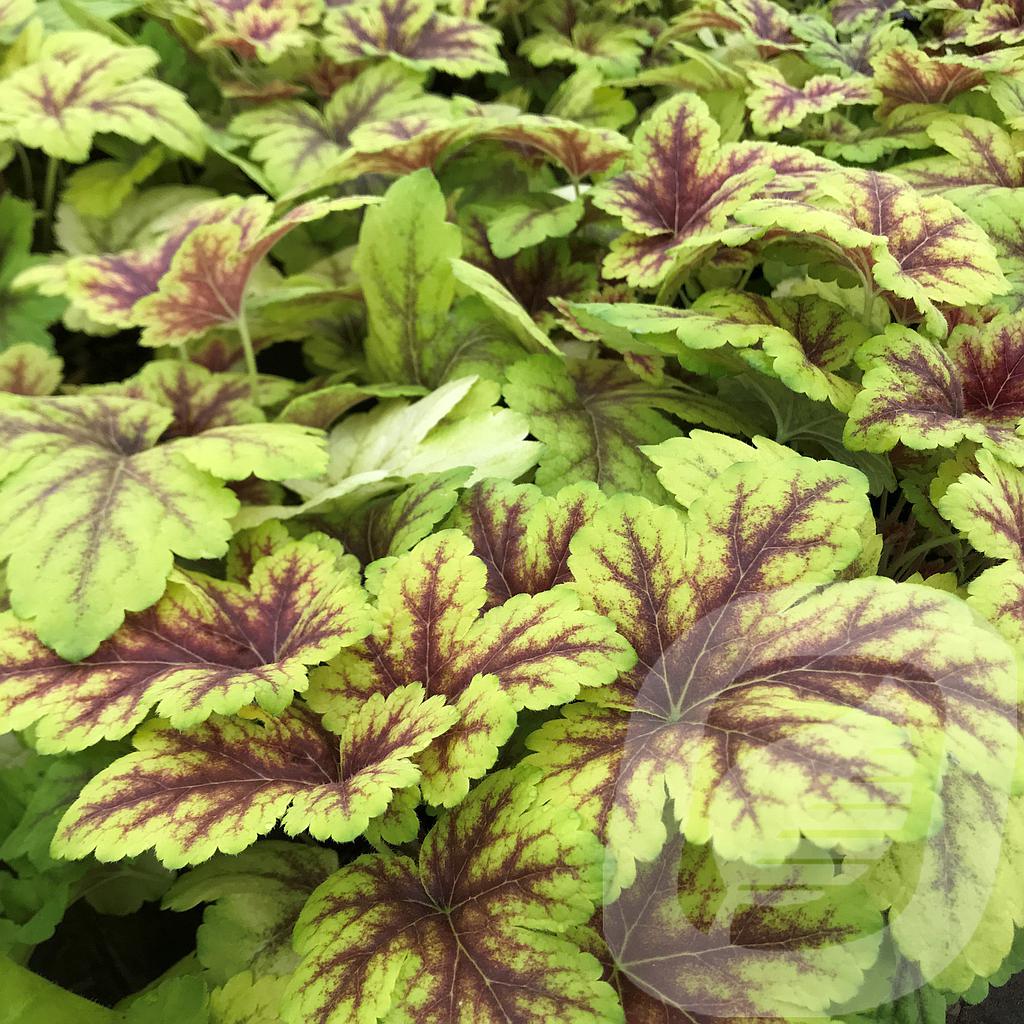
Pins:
<point x="511" y="511"/>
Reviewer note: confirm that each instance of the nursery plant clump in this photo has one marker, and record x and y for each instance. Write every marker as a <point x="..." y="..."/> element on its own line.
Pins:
<point x="511" y="511"/>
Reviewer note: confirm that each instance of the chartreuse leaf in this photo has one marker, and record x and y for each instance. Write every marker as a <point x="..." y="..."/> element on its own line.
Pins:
<point x="523" y="536"/>
<point x="774" y="104"/>
<point x="582" y="150"/>
<point x="533" y="651"/>
<point x="92" y="506"/>
<point x="238" y="777"/>
<point x="529" y="223"/>
<point x="988" y="506"/>
<point x="413" y="32"/>
<point x="29" y="370"/>
<point x="456" y="425"/>
<point x="593" y="413"/>
<point x="476" y="931"/>
<point x="80" y="84"/>
<point x="802" y="340"/>
<point x="750" y="657"/>
<point x="980" y="155"/>
<point x="295" y="142"/>
<point x="248" y="999"/>
<point x="700" y="939"/>
<point x="207" y="282"/>
<point x="966" y="876"/>
<point x="925" y="396"/>
<point x="680" y="194"/>
<point x="207" y="646"/>
<point x="254" y="899"/>
<point x="912" y="247"/>
<point x="264" y="29"/>
<point x="404" y="265"/>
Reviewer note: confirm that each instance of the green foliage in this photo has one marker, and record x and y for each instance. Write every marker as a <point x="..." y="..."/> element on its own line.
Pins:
<point x="511" y="510"/>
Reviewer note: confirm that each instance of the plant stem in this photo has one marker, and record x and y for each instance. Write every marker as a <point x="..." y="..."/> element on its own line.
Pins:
<point x="27" y="177"/>
<point x="249" y="352"/>
<point x="27" y="996"/>
<point x="49" y="198"/>
<point x="909" y="557"/>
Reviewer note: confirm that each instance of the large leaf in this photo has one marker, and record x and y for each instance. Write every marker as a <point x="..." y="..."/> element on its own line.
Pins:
<point x="926" y="396"/>
<point x="92" y="507"/>
<point x="208" y="646"/>
<point x="221" y="785"/>
<point x="81" y="84"/>
<point x="533" y="651"/>
<point x="680" y="195"/>
<point x="768" y="700"/>
<point x="920" y="249"/>
<point x="474" y="932"/>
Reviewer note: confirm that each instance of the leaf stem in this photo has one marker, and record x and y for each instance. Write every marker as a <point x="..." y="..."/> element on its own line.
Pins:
<point x="49" y="198"/>
<point x="249" y="352"/>
<point x="27" y="996"/>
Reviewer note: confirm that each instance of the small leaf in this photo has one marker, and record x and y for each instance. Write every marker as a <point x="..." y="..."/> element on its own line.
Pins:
<point x="480" y="923"/>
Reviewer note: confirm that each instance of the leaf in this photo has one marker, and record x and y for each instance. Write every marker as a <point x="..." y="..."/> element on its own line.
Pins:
<point x="963" y="875"/>
<point x="207" y="647"/>
<point x="414" y="33"/>
<point x="775" y="104"/>
<point x="503" y="305"/>
<point x="29" y="370"/>
<point x="913" y="247"/>
<point x="582" y="150"/>
<point x="254" y="899"/>
<point x="680" y="195"/>
<point x="295" y="143"/>
<point x="456" y="425"/>
<point x="92" y="507"/>
<point x="523" y="225"/>
<point x="979" y="152"/>
<point x="700" y="939"/>
<point x="207" y="282"/>
<point x="760" y="681"/>
<point x="521" y="535"/>
<point x="567" y="36"/>
<point x="533" y="651"/>
<point x="79" y="85"/>
<point x="183" y="1000"/>
<point x="987" y="508"/>
<point x="221" y="785"/>
<point x="593" y="414"/>
<point x="110" y="284"/>
<point x="925" y="396"/>
<point x="801" y="340"/>
<point x="911" y="76"/>
<point x="408" y="289"/>
<point x="247" y="1000"/>
<point x="25" y="312"/>
<point x="264" y="29"/>
<point x="475" y="930"/>
<point x="395" y="523"/>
